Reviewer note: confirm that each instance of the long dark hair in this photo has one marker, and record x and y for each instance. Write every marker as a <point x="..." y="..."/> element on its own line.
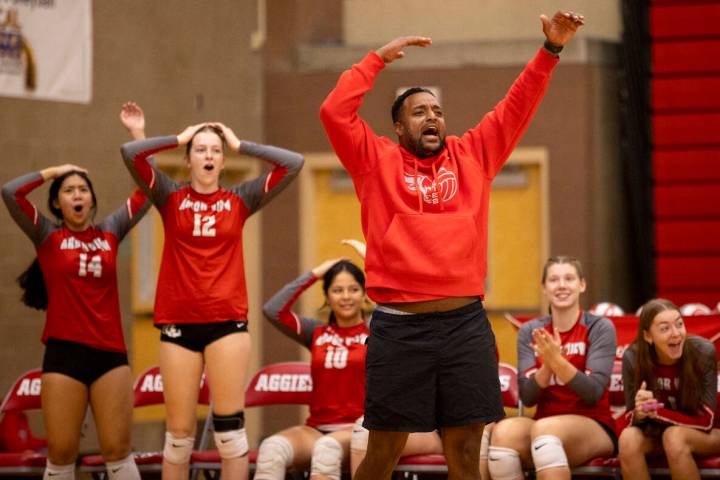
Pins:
<point x="31" y="281"/>
<point x="647" y="359"/>
<point x="341" y="266"/>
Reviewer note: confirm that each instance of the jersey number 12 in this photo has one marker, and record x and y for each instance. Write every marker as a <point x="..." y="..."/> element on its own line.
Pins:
<point x="204" y="226"/>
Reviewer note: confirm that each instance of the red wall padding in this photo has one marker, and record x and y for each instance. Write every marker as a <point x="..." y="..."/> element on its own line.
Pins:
<point x="695" y="93"/>
<point x="686" y="273"/>
<point x="686" y="129"/>
<point x="685" y="19"/>
<point x="678" y="166"/>
<point x="708" y="297"/>
<point x="687" y="237"/>
<point x="679" y="202"/>
<point x="686" y="57"/>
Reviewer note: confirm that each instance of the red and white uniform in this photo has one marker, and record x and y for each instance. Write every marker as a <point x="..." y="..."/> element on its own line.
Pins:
<point x="78" y="267"/>
<point x="666" y="386"/>
<point x="202" y="275"/>
<point x="590" y="346"/>
<point x="338" y="357"/>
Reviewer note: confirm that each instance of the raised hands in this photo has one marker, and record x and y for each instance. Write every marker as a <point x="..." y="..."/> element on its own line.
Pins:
<point x="322" y="269"/>
<point x="186" y="135"/>
<point x="51" y="173"/>
<point x="233" y="142"/>
<point x="359" y="246"/>
<point x="394" y="50"/>
<point x="561" y="27"/>
<point x="133" y="118"/>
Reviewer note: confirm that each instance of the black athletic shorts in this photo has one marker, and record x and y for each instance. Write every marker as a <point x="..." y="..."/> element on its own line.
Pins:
<point x="84" y="364"/>
<point x="431" y="370"/>
<point x="197" y="336"/>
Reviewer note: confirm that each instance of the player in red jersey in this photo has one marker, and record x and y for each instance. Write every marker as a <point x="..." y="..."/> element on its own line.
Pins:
<point x="73" y="278"/>
<point x="338" y="373"/>
<point x="201" y="298"/>
<point x="670" y="387"/>
<point x="564" y="362"/>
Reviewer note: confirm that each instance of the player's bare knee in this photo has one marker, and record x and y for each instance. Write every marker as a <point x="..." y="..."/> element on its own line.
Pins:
<point x="115" y="453"/>
<point x="675" y="442"/>
<point x="630" y="442"/>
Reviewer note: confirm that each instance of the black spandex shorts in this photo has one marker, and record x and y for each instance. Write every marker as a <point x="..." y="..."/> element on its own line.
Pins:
<point x="613" y="436"/>
<point x="431" y="370"/>
<point x="84" y="364"/>
<point x="197" y="336"/>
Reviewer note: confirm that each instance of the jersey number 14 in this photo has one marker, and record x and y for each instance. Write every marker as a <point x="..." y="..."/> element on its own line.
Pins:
<point x="94" y="266"/>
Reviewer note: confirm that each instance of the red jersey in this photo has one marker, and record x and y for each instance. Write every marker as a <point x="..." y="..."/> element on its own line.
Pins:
<point x="338" y="357"/>
<point x="78" y="267"/>
<point x="590" y="347"/>
<point x="425" y="219"/>
<point x="666" y="386"/>
<point x="202" y="273"/>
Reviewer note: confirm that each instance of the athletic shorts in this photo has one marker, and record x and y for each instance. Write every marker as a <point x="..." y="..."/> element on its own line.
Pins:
<point x="612" y="434"/>
<point x="84" y="364"/>
<point x="197" y="336"/>
<point x="431" y="370"/>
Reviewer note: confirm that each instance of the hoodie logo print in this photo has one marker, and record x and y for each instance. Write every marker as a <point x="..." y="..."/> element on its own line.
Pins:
<point x="445" y="184"/>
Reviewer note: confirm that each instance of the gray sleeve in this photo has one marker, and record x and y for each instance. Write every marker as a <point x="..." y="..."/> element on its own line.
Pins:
<point x="25" y="213"/>
<point x="154" y="182"/>
<point x="708" y="366"/>
<point x="630" y="386"/>
<point x="258" y="192"/>
<point x="599" y="362"/>
<point x="127" y="216"/>
<point x="529" y="388"/>
<point x="278" y="311"/>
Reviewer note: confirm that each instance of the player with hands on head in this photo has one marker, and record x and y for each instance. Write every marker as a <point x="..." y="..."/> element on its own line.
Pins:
<point x="424" y="208"/>
<point x="201" y="303"/>
<point x="338" y="373"/>
<point x="74" y="279"/>
<point x="564" y="365"/>
<point x="670" y="387"/>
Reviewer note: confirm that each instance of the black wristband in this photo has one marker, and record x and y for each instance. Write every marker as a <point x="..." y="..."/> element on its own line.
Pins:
<point x="554" y="49"/>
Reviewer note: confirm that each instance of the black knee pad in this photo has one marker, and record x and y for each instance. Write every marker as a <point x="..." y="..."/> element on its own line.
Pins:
<point x="227" y="423"/>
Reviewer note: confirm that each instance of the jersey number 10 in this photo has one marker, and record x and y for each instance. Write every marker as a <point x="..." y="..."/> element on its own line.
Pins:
<point x="336" y="357"/>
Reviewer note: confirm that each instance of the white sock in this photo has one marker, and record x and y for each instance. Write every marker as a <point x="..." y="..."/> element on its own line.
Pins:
<point x="59" y="472"/>
<point x="124" y="469"/>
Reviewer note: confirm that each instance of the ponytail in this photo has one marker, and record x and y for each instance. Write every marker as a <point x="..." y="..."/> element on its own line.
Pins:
<point x="32" y="283"/>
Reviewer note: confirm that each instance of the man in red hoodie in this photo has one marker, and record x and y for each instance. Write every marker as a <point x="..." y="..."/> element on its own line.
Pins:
<point x="424" y="204"/>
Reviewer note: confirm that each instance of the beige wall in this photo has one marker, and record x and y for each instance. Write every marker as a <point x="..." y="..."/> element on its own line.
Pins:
<point x="367" y="22"/>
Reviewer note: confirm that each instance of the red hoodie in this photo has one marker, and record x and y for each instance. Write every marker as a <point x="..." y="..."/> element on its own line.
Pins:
<point x="425" y="219"/>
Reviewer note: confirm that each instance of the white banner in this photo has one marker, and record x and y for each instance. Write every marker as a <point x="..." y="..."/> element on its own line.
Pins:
<point x="46" y="49"/>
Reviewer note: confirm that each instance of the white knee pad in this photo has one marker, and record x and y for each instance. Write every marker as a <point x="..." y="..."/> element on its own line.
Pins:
<point x="327" y="458"/>
<point x="548" y="452"/>
<point x="232" y="444"/>
<point x="504" y="464"/>
<point x="58" y="472"/>
<point x="359" y="439"/>
<point x="124" y="469"/>
<point x="178" y="450"/>
<point x="274" y="456"/>
<point x="485" y="443"/>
